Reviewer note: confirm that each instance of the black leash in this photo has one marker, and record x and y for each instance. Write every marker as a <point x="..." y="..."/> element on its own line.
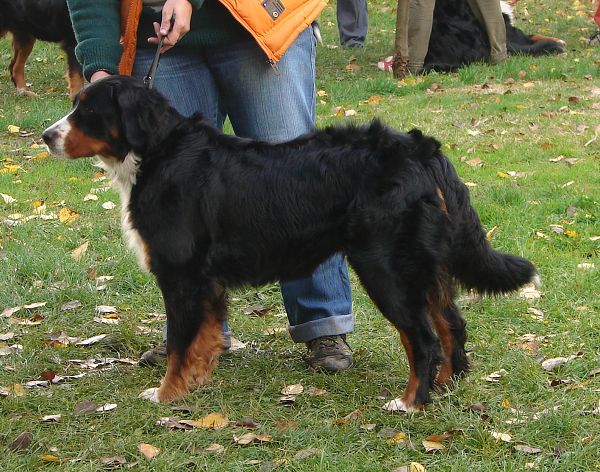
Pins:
<point x="149" y="78"/>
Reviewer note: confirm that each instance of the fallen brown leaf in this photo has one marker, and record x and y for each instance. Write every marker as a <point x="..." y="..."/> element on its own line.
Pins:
<point x="306" y="453"/>
<point x="295" y="389"/>
<point x="84" y="407"/>
<point x="215" y="448"/>
<point x="148" y="450"/>
<point x="431" y="446"/>
<point x="412" y="467"/>
<point x="113" y="461"/>
<point x="21" y="442"/>
<point x="251" y="437"/>
<point x="527" y="449"/>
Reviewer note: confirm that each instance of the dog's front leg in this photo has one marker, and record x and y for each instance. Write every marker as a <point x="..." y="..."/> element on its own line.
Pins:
<point x="195" y="316"/>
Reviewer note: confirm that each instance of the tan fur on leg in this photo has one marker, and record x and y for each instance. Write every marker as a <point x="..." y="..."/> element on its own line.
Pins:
<point x="195" y="368"/>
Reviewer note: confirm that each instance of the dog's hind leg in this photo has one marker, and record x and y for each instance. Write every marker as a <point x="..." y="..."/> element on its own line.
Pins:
<point x="195" y="314"/>
<point x="74" y="72"/>
<point x="22" y="45"/>
<point x="450" y="328"/>
<point x="402" y="300"/>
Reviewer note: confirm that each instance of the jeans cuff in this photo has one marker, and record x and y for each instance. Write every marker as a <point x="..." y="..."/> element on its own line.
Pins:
<point x="330" y="326"/>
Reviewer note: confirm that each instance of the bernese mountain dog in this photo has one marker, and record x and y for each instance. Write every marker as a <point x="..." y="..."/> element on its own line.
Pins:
<point x="46" y="20"/>
<point x="458" y="38"/>
<point x="205" y="211"/>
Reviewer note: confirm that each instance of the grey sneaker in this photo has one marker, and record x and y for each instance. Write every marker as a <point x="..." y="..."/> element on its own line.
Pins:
<point x="594" y="40"/>
<point x="158" y="355"/>
<point x="155" y="356"/>
<point x="330" y="353"/>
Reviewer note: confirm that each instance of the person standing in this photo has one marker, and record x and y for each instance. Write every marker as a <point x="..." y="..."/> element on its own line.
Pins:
<point x="420" y="20"/>
<point x="353" y="22"/>
<point x="231" y="60"/>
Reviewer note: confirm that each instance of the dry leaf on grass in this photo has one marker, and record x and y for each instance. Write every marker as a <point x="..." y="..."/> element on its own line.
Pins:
<point x="287" y="399"/>
<point x="316" y="392"/>
<point x="105" y="408"/>
<point x="246" y="422"/>
<point x="92" y="340"/>
<point x="21" y="442"/>
<point x="412" y="467"/>
<point x="431" y="446"/>
<point x="495" y="376"/>
<point x="387" y="432"/>
<point x="72" y="305"/>
<point x="306" y="453"/>
<point x="84" y="407"/>
<point x="212" y="421"/>
<point x="551" y="364"/>
<point x="257" y="310"/>
<point x="398" y="438"/>
<point x="295" y="389"/>
<point x="50" y="418"/>
<point x="368" y="427"/>
<point x="525" y="449"/>
<point x="251" y="437"/>
<point x="113" y="461"/>
<point x="501" y="436"/>
<point x="215" y="448"/>
<point x="78" y="253"/>
<point x="148" y="450"/>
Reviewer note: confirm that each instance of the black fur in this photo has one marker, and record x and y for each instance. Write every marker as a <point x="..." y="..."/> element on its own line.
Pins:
<point x="45" y="20"/>
<point x="458" y="38"/>
<point x="219" y="211"/>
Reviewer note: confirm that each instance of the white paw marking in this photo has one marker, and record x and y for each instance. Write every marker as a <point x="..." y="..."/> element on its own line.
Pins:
<point x="398" y="405"/>
<point x="150" y="394"/>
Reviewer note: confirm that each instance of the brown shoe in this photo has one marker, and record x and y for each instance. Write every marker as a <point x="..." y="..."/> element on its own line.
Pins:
<point x="330" y="353"/>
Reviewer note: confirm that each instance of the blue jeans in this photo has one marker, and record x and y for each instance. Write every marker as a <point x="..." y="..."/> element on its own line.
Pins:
<point x="236" y="81"/>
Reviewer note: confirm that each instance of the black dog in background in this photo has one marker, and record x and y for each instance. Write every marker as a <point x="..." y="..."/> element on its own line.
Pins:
<point x="46" y="20"/>
<point x="458" y="38"/>
<point x="205" y="211"/>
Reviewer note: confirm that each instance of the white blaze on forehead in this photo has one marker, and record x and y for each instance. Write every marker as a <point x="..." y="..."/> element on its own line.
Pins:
<point x="60" y="131"/>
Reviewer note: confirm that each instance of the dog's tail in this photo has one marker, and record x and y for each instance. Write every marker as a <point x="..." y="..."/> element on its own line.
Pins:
<point x="472" y="260"/>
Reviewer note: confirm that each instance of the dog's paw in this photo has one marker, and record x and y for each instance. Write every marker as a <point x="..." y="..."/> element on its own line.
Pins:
<point x="26" y="93"/>
<point x="150" y="394"/>
<point x="397" y="404"/>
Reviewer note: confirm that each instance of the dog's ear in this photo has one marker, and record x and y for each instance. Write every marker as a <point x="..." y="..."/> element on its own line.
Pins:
<point x="425" y="146"/>
<point x="139" y="113"/>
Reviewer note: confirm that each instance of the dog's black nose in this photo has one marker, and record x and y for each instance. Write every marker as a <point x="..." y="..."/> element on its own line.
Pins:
<point x="48" y="135"/>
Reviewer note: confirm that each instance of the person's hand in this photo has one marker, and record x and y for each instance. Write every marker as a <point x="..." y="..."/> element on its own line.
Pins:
<point x="183" y="15"/>
<point x="99" y="74"/>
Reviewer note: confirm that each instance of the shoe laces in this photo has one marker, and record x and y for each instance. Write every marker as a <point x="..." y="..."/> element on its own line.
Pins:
<point x="327" y="342"/>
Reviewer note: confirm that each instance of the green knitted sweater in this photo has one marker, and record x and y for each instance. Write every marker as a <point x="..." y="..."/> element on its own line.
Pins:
<point x="97" y="29"/>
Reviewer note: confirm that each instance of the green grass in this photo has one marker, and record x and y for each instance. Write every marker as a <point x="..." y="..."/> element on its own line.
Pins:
<point x="515" y="117"/>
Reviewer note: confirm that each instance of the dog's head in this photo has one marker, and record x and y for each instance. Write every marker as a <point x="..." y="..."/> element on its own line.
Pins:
<point x="110" y="118"/>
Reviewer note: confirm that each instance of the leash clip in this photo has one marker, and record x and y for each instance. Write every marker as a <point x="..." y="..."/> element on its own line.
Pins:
<point x="149" y="77"/>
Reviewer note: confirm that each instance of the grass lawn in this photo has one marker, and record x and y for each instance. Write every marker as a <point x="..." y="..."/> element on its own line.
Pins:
<point x="524" y="135"/>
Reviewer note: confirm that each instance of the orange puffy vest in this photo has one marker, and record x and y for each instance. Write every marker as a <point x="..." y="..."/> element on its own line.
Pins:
<point x="274" y="24"/>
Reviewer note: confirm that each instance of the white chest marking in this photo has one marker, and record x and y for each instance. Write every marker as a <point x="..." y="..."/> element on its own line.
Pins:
<point x="123" y="177"/>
